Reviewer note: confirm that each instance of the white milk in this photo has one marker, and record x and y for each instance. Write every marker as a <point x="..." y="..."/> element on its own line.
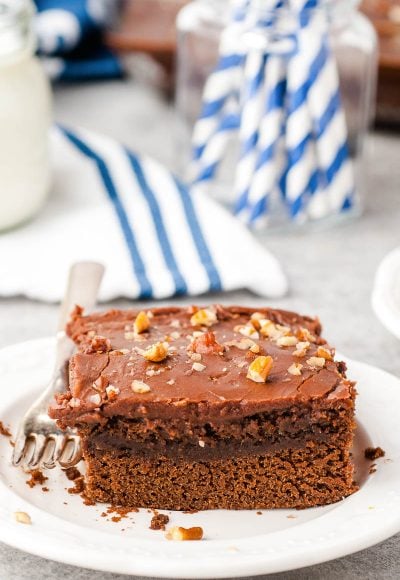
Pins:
<point x="25" y="112"/>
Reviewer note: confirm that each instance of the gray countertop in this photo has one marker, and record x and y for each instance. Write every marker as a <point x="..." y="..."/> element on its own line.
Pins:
<point x="331" y="275"/>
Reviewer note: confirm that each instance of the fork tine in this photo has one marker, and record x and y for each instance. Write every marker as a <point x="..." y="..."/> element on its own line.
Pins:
<point x="28" y="452"/>
<point x="77" y="454"/>
<point x="19" y="450"/>
<point x="59" y="445"/>
<point x="74" y="455"/>
<point x="39" y="448"/>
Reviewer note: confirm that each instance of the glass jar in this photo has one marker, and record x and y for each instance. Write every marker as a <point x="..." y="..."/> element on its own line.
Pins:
<point x="25" y="107"/>
<point x="354" y="44"/>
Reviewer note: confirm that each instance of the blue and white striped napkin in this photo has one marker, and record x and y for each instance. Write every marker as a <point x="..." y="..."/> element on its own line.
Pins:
<point x="130" y="213"/>
<point x="69" y="34"/>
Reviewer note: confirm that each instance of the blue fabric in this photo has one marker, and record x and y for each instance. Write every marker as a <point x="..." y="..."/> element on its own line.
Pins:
<point x="165" y="246"/>
<point x="138" y="263"/>
<point x="70" y="40"/>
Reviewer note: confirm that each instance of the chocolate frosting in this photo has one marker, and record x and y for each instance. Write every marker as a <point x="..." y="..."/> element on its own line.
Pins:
<point x="111" y="355"/>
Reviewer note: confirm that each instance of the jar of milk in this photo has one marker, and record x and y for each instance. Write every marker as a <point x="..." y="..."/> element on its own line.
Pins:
<point x="25" y="113"/>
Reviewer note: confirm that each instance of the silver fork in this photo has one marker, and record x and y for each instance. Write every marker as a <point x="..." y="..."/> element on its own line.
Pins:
<point x="39" y="442"/>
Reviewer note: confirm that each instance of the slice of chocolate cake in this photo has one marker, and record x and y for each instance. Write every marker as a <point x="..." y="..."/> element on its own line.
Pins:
<point x="220" y="407"/>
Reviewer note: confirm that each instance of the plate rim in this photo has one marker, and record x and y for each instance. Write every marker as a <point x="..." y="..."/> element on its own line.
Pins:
<point x="227" y="563"/>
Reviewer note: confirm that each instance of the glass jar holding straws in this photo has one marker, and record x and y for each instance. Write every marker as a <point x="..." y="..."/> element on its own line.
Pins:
<point x="275" y="99"/>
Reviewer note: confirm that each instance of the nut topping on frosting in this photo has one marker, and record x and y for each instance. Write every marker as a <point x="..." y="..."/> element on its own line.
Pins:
<point x="140" y="387"/>
<point x="197" y="366"/>
<point x="267" y="327"/>
<point x="112" y="392"/>
<point x="184" y="534"/>
<point x="100" y="383"/>
<point x="247" y="330"/>
<point x="99" y="344"/>
<point x="286" y="341"/>
<point x="203" y="317"/>
<point x="301" y="348"/>
<point x="260" y="368"/>
<point x="271" y="330"/>
<point x="156" y="352"/>
<point x="206" y="343"/>
<point x="295" y="369"/>
<point x="255" y="319"/>
<point x="142" y="323"/>
<point x="324" y="353"/>
<point x="305" y="334"/>
<point x="243" y="344"/>
<point x="95" y="399"/>
<point x="316" y="362"/>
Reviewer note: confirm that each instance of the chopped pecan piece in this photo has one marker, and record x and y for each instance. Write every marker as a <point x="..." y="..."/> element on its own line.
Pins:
<point x="206" y="344"/>
<point x="260" y="368"/>
<point x="184" y="534"/>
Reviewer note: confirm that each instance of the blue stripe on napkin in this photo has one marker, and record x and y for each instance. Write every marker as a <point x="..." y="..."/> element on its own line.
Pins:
<point x="166" y="249"/>
<point x="198" y="238"/>
<point x="139" y="267"/>
<point x="164" y="243"/>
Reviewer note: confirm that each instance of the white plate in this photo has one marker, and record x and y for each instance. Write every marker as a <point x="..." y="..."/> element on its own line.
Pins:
<point x="386" y="292"/>
<point x="236" y="543"/>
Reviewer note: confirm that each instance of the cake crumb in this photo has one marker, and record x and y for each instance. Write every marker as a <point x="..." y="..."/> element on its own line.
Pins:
<point x="37" y="478"/>
<point x="373" y="453"/>
<point x="72" y="473"/>
<point x="372" y="469"/>
<point x="291" y="517"/>
<point x="259" y="513"/>
<point x="45" y="489"/>
<point x="119" y="513"/>
<point x="87" y="500"/>
<point x="79" y="486"/>
<point x="158" y="521"/>
<point x="4" y="430"/>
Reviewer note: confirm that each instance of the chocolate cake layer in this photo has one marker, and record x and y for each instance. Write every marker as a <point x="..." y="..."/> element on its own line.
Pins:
<point x="317" y="474"/>
<point x="254" y="434"/>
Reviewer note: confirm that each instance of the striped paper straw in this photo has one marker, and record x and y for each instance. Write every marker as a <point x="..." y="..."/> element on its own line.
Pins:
<point x="220" y="99"/>
<point x="291" y="124"/>
<point x="252" y="110"/>
<point x="318" y="179"/>
<point x="252" y="204"/>
<point x="331" y="141"/>
<point x="214" y="149"/>
<point x="300" y="179"/>
<point x="261" y="83"/>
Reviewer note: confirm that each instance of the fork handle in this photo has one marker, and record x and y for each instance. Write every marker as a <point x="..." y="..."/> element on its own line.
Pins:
<point x="82" y="287"/>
